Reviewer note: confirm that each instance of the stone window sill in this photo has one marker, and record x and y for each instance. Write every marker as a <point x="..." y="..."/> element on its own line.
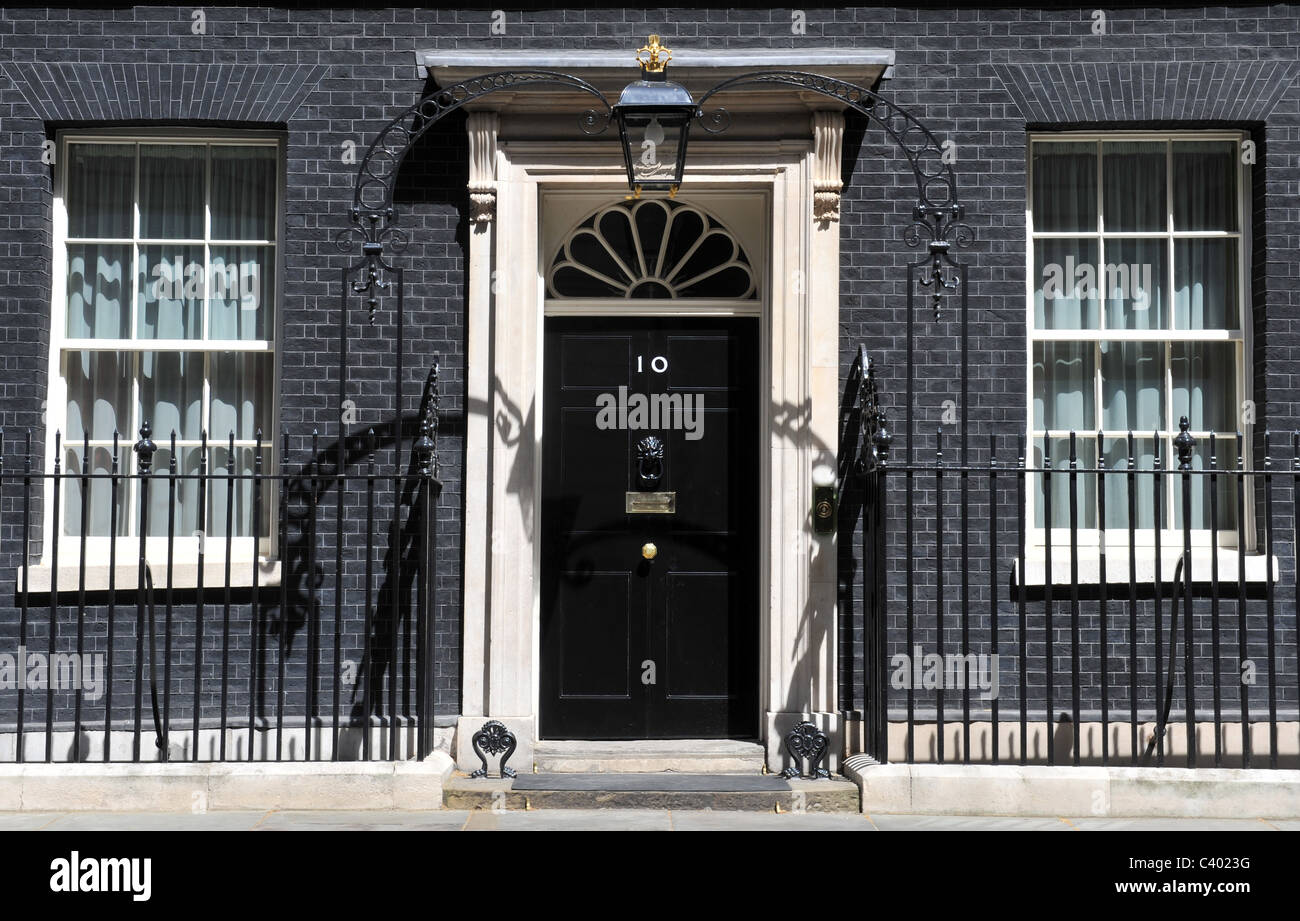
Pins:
<point x="185" y="576"/>
<point x="1117" y="567"/>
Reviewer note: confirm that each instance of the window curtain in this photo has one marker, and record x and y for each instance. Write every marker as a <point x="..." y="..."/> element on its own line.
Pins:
<point x="1063" y="386"/>
<point x="171" y="191"/>
<point x="1133" y="175"/>
<point x="99" y="394"/>
<point x="100" y="190"/>
<point x="243" y="193"/>
<point x="99" y="515"/>
<point x="243" y="208"/>
<point x="1132" y="375"/>
<point x="170" y="292"/>
<point x="1064" y="401"/>
<point x="241" y="497"/>
<point x="1205" y="284"/>
<point x="1065" y="187"/>
<point x="241" y="393"/>
<point x="1062" y="299"/>
<point x="171" y="391"/>
<point x="1225" y="458"/>
<point x="1059" y="461"/>
<point x="241" y="290"/>
<point x="1117" y="458"/>
<point x="97" y="291"/>
<point x="1204" y="385"/>
<point x="1205" y="185"/>
<point x="1133" y="279"/>
<point x="99" y="200"/>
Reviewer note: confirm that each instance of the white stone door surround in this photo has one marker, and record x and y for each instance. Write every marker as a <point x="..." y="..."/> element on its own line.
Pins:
<point x="512" y="172"/>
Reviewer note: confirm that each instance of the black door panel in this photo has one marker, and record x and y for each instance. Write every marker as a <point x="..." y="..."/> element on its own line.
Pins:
<point x="666" y="648"/>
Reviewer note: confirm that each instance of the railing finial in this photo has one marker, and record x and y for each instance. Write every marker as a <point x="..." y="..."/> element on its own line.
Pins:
<point x="1184" y="443"/>
<point x="145" y="448"/>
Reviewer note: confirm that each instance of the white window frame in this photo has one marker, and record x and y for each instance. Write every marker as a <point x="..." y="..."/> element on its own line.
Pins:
<point x="186" y="545"/>
<point x="1242" y="337"/>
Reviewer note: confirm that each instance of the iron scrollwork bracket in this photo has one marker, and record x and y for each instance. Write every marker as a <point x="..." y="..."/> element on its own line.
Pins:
<point x="807" y="745"/>
<point x="374" y="219"/>
<point x="494" y="739"/>
<point x="941" y="228"/>
<point x="378" y="232"/>
<point x="937" y="216"/>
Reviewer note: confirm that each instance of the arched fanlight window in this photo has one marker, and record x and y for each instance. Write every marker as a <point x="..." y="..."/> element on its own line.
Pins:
<point x="652" y="248"/>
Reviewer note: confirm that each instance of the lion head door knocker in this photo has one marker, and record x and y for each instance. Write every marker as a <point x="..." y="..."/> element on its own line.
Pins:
<point x="649" y="461"/>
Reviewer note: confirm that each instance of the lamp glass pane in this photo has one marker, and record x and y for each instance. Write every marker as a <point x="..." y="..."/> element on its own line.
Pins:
<point x="654" y="147"/>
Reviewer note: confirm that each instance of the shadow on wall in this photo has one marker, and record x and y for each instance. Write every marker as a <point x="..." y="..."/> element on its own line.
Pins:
<point x="284" y="619"/>
<point x="435" y="172"/>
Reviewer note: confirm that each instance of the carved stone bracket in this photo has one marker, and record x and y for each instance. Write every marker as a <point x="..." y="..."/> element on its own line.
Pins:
<point x="828" y="144"/>
<point x="481" y="128"/>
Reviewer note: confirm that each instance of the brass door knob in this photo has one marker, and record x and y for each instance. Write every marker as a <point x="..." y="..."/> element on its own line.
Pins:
<point x="649" y="551"/>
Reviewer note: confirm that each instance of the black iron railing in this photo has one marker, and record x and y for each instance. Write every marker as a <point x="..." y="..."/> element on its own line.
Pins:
<point x="263" y="617"/>
<point x="1030" y="610"/>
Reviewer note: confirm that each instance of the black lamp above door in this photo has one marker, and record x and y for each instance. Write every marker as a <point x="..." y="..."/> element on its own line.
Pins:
<point x="654" y="121"/>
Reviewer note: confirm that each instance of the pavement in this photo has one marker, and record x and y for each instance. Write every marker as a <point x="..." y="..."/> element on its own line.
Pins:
<point x="599" y="820"/>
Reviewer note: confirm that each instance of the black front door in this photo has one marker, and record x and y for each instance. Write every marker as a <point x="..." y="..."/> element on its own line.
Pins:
<point x="651" y="446"/>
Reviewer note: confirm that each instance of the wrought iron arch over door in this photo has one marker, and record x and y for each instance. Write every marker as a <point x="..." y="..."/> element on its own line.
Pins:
<point x="937" y="228"/>
<point x="937" y="216"/>
<point x="651" y="249"/>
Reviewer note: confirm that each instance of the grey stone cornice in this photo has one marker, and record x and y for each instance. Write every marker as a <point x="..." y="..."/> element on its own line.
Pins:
<point x="695" y="68"/>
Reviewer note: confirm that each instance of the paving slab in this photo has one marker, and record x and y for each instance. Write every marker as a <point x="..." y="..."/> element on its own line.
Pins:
<point x="570" y="820"/>
<point x="155" y="821"/>
<point x="26" y="821"/>
<point x="1093" y="823"/>
<point x="364" y="820"/>
<point x="763" y="821"/>
<point x="966" y="823"/>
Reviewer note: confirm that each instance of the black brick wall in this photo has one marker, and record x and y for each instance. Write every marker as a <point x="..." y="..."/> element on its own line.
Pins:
<point x="979" y="75"/>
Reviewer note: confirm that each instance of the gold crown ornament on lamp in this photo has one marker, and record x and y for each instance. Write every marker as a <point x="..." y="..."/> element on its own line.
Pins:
<point x="658" y="55"/>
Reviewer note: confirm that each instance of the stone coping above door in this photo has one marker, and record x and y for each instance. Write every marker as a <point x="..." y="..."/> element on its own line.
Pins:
<point x="698" y="69"/>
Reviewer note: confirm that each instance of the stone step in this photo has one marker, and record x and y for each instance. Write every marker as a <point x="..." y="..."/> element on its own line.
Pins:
<point x="719" y="792"/>
<point x="684" y="756"/>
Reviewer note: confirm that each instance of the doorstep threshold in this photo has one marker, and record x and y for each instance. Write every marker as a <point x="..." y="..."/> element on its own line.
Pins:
<point x="645" y="756"/>
<point x="654" y="783"/>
